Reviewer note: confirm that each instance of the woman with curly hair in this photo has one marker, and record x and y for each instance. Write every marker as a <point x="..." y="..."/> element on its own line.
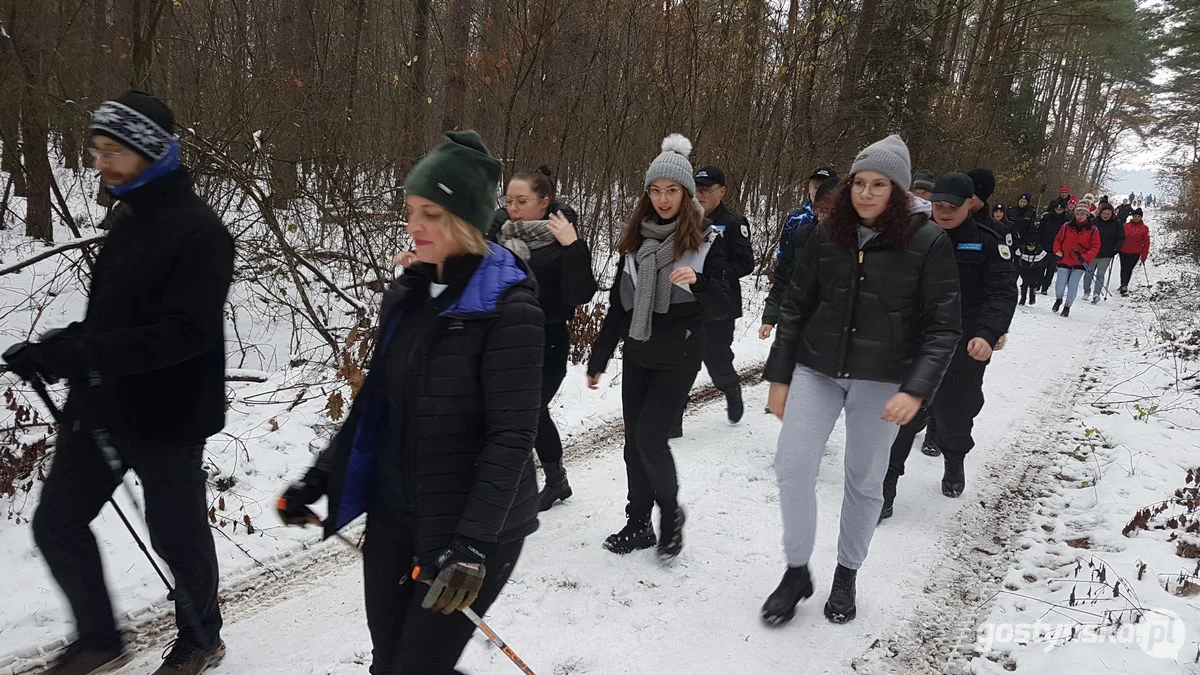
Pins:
<point x="868" y="326"/>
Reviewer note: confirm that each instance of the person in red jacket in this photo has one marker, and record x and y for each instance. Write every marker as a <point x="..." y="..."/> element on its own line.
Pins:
<point x="1076" y="246"/>
<point x="1136" y="247"/>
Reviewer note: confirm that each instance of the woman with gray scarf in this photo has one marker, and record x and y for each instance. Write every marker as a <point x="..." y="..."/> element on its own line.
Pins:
<point x="670" y="279"/>
<point x="541" y="231"/>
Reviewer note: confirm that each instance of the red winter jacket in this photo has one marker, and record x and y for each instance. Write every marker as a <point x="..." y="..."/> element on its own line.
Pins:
<point x="1137" y="239"/>
<point x="1072" y="238"/>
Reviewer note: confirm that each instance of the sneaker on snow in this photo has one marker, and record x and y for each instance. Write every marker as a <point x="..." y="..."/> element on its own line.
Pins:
<point x="780" y="606"/>
<point x="635" y="536"/>
<point x="1066" y="311"/>
<point x="184" y="658"/>
<point x="78" y="659"/>
<point x="840" y="608"/>
<point x="670" y="528"/>
<point x="1057" y="305"/>
<point x="1124" y="291"/>
<point x="1095" y="298"/>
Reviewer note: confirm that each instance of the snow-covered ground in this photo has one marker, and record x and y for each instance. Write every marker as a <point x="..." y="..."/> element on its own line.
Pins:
<point x="944" y="579"/>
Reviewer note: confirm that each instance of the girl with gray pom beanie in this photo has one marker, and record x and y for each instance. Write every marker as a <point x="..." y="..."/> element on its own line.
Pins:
<point x="670" y="279"/>
<point x="868" y="326"/>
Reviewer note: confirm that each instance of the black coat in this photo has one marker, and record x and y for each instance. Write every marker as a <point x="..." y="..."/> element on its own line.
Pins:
<point x="739" y="254"/>
<point x="987" y="279"/>
<point x="677" y="337"/>
<point x="797" y="230"/>
<point x="155" y="322"/>
<point x="472" y="393"/>
<point x="563" y="273"/>
<point x="880" y="313"/>
<point x="1112" y="236"/>
<point x="1049" y="227"/>
<point x="1023" y="220"/>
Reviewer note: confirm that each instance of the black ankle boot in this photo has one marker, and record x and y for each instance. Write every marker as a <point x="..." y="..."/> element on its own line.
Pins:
<point x="670" y="530"/>
<point x="556" y="488"/>
<point x="637" y="534"/>
<point x="734" y="406"/>
<point x="780" y="606"/>
<point x="840" y="607"/>
<point x="889" y="494"/>
<point x="954" y="480"/>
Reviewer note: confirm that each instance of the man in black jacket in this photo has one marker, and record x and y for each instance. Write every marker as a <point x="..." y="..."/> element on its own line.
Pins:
<point x="1023" y="218"/>
<point x="147" y="364"/>
<point x="735" y="235"/>
<point x="988" y="294"/>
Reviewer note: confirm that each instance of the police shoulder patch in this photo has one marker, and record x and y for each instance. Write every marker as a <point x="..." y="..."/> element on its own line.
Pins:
<point x="1005" y="252"/>
<point x="746" y="230"/>
<point x="1008" y="238"/>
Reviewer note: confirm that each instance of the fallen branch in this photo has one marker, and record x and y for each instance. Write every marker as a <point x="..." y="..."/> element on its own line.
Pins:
<point x="51" y="252"/>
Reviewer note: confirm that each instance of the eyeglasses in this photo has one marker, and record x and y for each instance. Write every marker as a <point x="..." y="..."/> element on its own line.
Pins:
<point x="669" y="193"/>
<point x="708" y="190"/>
<point x="108" y="154"/>
<point x="875" y="188"/>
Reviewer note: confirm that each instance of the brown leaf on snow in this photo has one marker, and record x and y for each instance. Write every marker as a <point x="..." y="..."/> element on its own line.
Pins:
<point x="1187" y="549"/>
<point x="1081" y="542"/>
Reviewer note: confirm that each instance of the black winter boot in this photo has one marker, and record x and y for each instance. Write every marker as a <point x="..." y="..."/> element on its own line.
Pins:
<point x="930" y="447"/>
<point x="670" y="530"/>
<point x="780" y="606"/>
<point x="734" y="406"/>
<point x="1066" y="311"/>
<point x="1033" y="296"/>
<point x="840" y="607"/>
<point x="556" y="488"/>
<point x="889" y="494"/>
<point x="1057" y="305"/>
<point x="635" y="536"/>
<point x="954" y="480"/>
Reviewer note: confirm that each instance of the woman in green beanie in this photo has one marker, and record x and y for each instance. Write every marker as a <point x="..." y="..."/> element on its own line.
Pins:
<point x="669" y="281"/>
<point x="437" y="447"/>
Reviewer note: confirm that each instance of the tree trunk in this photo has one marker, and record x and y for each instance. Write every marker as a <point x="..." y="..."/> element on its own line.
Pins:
<point x="458" y="14"/>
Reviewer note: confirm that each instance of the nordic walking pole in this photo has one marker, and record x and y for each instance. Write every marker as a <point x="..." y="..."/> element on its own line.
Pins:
<point x="467" y="611"/>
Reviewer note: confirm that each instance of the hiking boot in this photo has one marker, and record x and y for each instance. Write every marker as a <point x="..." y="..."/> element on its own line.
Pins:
<point x="734" y="406"/>
<point x="556" y="488"/>
<point x="954" y="479"/>
<point x="670" y="530"/>
<point x="1124" y="291"/>
<point x="840" y="608"/>
<point x="889" y="495"/>
<point x="635" y="536"/>
<point x="780" y="606"/>
<point x="79" y="659"/>
<point x="1095" y="298"/>
<point x="1057" y="305"/>
<point x="184" y="658"/>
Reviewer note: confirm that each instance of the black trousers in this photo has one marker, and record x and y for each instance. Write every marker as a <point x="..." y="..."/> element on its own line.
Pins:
<point x="651" y="401"/>
<point x="718" y="355"/>
<point x="1129" y="263"/>
<point x="951" y="416"/>
<point x="405" y="638"/>
<point x="554" y="370"/>
<point x="173" y="482"/>
<point x="1049" y="273"/>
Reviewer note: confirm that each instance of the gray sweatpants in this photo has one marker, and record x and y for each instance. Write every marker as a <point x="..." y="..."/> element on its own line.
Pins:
<point x="813" y="404"/>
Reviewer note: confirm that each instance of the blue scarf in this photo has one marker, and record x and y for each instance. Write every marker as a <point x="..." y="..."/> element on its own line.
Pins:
<point x="161" y="167"/>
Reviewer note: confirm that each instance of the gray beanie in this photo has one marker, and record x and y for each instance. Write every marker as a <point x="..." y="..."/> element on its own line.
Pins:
<point x="889" y="157"/>
<point x="673" y="163"/>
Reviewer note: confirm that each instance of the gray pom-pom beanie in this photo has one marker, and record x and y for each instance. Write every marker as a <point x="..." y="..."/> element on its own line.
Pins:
<point x="673" y="163"/>
<point x="889" y="157"/>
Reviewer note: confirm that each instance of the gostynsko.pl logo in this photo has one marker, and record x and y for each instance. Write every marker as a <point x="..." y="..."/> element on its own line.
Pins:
<point x="1160" y="633"/>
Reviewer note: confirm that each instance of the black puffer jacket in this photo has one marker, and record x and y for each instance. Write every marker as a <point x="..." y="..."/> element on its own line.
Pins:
<point x="880" y="313"/>
<point x="677" y="337"/>
<point x="471" y="393"/>
<point x="1112" y="236"/>
<point x="155" y="326"/>
<point x="564" y="273"/>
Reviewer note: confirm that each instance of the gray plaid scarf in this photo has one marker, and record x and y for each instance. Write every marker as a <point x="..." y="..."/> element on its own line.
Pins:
<point x="522" y="237"/>
<point x="655" y="262"/>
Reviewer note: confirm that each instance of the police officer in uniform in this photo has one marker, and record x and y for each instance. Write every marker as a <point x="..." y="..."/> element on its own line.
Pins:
<point x="735" y="234"/>
<point x="988" y="293"/>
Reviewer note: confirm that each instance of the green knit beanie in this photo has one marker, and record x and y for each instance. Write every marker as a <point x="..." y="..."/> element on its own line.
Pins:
<point x="461" y="176"/>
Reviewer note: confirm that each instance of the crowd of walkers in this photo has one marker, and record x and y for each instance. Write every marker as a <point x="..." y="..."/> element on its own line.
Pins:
<point x="890" y="293"/>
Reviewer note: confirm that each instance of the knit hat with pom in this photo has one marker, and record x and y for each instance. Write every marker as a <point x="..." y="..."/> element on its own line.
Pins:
<point x="673" y="163"/>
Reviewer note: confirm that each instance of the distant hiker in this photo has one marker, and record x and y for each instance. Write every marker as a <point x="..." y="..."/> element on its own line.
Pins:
<point x="1076" y="246"/>
<point x="1136" y="248"/>
<point x="1124" y="210"/>
<point x="842" y="344"/>
<point x="1023" y="218"/>
<point x="669" y="283"/>
<point x="436" y="449"/>
<point x="922" y="185"/>
<point x="1112" y="237"/>
<point x="1064" y="200"/>
<point x="541" y="231"/>
<point x="1032" y="261"/>
<point x="785" y="266"/>
<point x="1048" y="228"/>
<point x="152" y="346"/>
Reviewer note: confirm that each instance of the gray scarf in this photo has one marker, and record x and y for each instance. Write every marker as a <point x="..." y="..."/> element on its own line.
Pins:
<point x="522" y="237"/>
<point x="655" y="262"/>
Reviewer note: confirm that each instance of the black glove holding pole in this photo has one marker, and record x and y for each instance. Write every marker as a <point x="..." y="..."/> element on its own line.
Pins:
<point x="293" y="503"/>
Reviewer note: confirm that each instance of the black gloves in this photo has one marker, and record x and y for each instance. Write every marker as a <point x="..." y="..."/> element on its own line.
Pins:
<point x="460" y="577"/>
<point x="54" y="358"/>
<point x="293" y="503"/>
